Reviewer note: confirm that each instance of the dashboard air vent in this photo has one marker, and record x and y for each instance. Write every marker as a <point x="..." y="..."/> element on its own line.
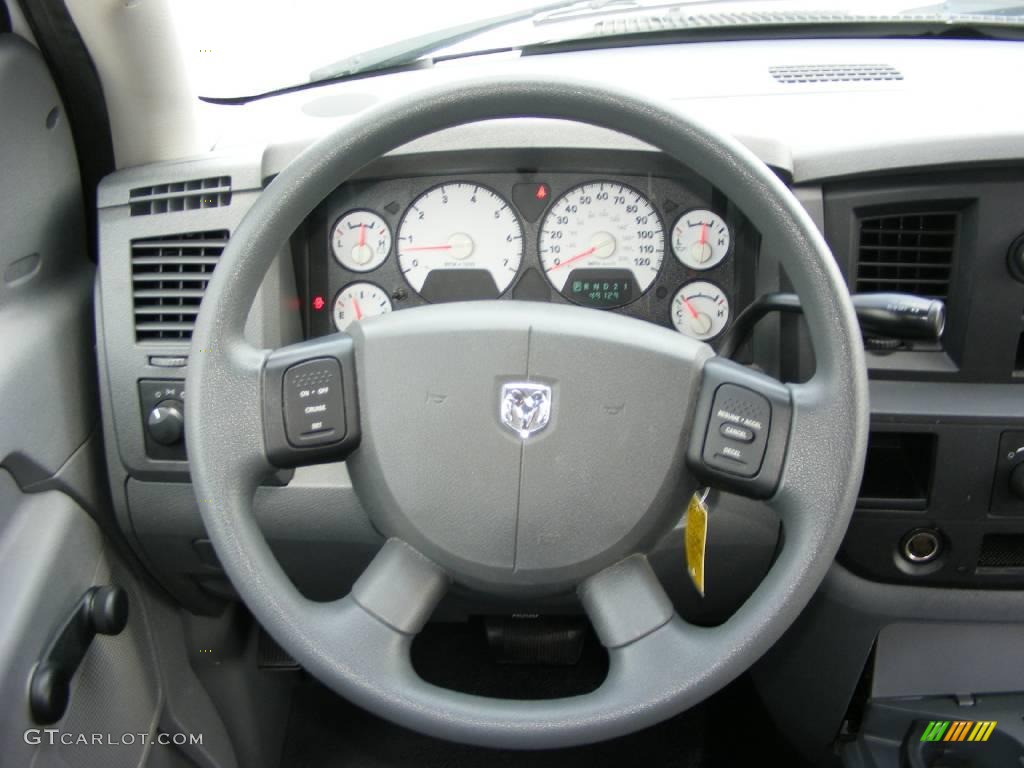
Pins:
<point x="181" y="196"/>
<point x="907" y="253"/>
<point x="169" y="277"/>
<point x="834" y="73"/>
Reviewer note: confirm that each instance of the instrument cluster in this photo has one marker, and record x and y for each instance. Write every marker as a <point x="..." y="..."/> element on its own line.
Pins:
<point x="660" y="248"/>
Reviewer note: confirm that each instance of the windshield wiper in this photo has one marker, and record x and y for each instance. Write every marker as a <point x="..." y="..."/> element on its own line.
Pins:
<point x="407" y="51"/>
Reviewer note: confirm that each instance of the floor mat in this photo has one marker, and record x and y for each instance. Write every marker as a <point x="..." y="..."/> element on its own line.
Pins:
<point x="328" y="732"/>
<point x="325" y="731"/>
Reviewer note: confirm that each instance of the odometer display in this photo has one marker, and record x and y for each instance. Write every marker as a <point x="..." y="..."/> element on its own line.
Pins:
<point x="598" y="233"/>
<point x="601" y="287"/>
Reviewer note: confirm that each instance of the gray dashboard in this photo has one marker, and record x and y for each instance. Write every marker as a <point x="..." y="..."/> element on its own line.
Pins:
<point x="812" y="129"/>
<point x="981" y="347"/>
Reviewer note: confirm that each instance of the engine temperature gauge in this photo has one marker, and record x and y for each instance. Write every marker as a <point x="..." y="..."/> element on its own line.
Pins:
<point x="358" y="301"/>
<point x="700" y="310"/>
<point x="700" y="239"/>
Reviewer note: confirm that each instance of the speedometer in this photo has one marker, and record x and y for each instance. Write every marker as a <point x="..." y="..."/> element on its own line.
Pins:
<point x="460" y="241"/>
<point x="602" y="244"/>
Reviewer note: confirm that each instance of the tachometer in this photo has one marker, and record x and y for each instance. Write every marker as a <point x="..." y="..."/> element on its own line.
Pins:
<point x="602" y="244"/>
<point x="460" y="241"/>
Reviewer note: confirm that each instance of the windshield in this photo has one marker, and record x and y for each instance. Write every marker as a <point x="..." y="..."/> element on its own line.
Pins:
<point x="240" y="47"/>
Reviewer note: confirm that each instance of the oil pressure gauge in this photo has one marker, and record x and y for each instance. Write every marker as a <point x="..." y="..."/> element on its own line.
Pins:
<point x="700" y="239"/>
<point x="700" y="310"/>
<point x="361" y="241"/>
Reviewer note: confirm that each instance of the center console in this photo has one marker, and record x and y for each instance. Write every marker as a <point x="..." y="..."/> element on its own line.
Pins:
<point x="942" y="502"/>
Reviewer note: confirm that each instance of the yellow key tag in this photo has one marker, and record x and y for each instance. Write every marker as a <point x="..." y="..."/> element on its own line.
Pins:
<point x="696" y="536"/>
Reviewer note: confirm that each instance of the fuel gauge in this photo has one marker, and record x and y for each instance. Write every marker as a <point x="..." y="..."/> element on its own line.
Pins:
<point x="700" y="310"/>
<point x="358" y="301"/>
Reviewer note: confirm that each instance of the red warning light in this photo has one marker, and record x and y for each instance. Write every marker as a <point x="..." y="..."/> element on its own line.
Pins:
<point x="319" y="303"/>
<point x="542" y="191"/>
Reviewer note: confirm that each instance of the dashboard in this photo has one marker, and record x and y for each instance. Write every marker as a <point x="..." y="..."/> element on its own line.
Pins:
<point x="660" y="246"/>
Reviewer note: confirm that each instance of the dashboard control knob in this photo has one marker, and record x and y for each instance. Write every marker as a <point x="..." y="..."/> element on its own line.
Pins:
<point x="1015" y="259"/>
<point x="166" y="422"/>
<point x="1017" y="481"/>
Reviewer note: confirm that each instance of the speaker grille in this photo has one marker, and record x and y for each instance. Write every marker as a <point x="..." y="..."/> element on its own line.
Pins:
<point x="1002" y="550"/>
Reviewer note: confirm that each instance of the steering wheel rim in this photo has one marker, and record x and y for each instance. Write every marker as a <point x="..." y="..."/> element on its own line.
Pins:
<point x="659" y="665"/>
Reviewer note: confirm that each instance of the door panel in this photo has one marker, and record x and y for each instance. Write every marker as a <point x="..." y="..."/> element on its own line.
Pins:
<point x="47" y="350"/>
<point x="51" y="552"/>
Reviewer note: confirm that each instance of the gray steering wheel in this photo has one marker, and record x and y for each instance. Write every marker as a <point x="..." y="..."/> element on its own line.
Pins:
<point x="413" y="401"/>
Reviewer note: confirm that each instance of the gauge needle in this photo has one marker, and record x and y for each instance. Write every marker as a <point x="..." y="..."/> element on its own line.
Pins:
<point x="362" y="234"/>
<point x="703" y="234"/>
<point x="577" y="257"/>
<point x="355" y="306"/>
<point x="581" y="255"/>
<point x="689" y="306"/>
<point x="427" y="248"/>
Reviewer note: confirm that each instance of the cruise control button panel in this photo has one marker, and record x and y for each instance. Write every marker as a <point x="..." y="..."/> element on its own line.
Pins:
<point x="310" y="408"/>
<point x="738" y="433"/>
<point x="740" y="429"/>
<point x="314" y="403"/>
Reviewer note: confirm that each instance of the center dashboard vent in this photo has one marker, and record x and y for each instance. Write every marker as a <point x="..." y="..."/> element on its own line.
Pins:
<point x="834" y="73"/>
<point x="169" y="277"/>
<point x="192" y="195"/>
<point x="907" y="253"/>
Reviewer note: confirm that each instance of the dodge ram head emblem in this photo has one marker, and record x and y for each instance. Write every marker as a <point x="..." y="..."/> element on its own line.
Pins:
<point x="525" y="408"/>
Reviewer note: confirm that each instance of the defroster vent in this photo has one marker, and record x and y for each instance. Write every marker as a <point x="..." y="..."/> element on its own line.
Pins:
<point x="169" y="277"/>
<point x="213" y="192"/>
<point x="793" y="74"/>
<point x="907" y="253"/>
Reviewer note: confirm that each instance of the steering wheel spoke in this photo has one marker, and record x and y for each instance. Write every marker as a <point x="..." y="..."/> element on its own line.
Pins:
<point x="625" y="602"/>
<point x="400" y="587"/>
<point x="741" y="429"/>
<point x="387" y="607"/>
